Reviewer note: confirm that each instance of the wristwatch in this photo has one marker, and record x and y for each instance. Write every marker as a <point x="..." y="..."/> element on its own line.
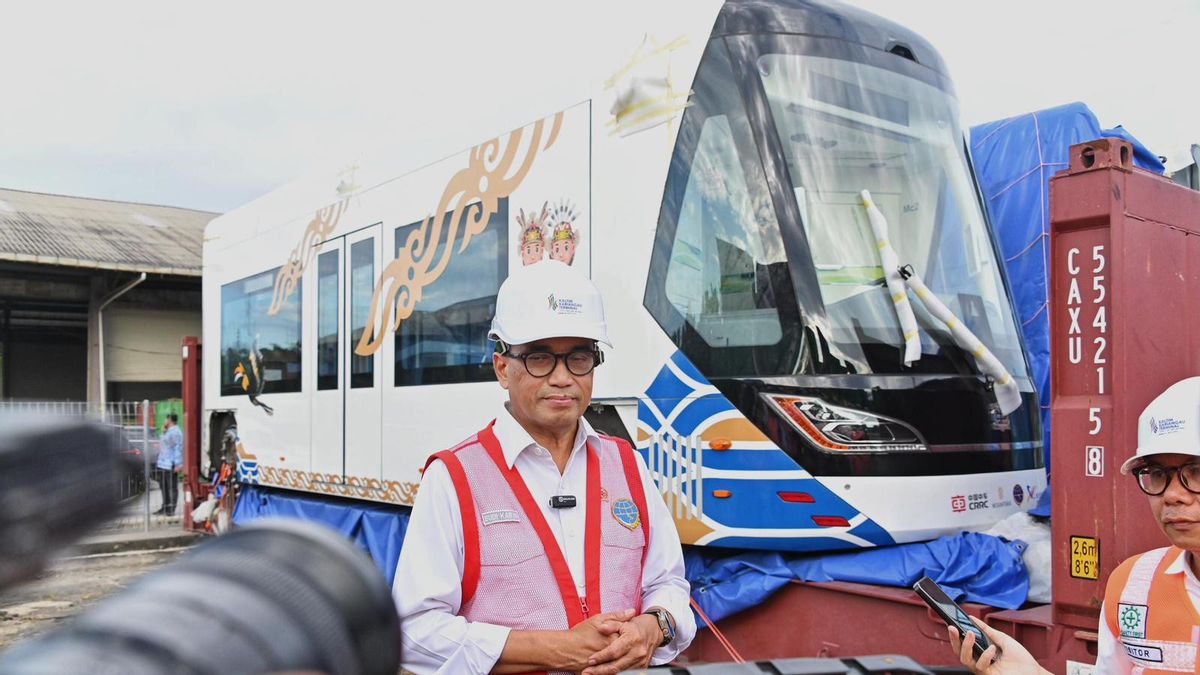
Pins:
<point x="664" y="623"/>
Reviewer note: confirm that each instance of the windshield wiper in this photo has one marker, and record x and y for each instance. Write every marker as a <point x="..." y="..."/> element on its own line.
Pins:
<point x="895" y="283"/>
<point x="1008" y="396"/>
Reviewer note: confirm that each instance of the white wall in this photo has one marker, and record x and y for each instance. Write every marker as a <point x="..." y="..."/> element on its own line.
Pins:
<point x="143" y="345"/>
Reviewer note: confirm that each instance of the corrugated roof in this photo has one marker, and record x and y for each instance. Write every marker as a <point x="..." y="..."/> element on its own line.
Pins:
<point x="101" y="234"/>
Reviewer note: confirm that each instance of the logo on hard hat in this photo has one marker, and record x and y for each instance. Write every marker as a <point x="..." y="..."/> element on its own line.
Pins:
<point x="563" y="305"/>
<point x="1167" y="425"/>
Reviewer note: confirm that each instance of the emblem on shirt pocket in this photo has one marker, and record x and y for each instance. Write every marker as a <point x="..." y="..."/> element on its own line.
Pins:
<point x="502" y="516"/>
<point x="1131" y="619"/>
<point x="626" y="513"/>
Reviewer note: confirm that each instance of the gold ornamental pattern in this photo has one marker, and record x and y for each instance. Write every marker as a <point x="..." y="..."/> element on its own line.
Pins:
<point x="395" y="492"/>
<point x="322" y="225"/>
<point x="471" y="197"/>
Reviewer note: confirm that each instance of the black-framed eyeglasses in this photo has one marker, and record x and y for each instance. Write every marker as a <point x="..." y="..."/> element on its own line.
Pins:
<point x="579" y="362"/>
<point x="1154" y="479"/>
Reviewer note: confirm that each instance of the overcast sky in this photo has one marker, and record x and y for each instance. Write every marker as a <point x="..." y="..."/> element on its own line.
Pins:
<point x="209" y="105"/>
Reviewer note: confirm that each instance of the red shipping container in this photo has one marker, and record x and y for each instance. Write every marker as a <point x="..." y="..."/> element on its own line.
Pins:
<point x="1124" y="325"/>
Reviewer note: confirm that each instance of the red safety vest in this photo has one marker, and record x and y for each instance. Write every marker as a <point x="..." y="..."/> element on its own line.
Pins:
<point x="511" y="559"/>
<point x="1151" y="615"/>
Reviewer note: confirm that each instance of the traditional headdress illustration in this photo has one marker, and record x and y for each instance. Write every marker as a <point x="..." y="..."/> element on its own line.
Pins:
<point x="532" y="244"/>
<point x="564" y="237"/>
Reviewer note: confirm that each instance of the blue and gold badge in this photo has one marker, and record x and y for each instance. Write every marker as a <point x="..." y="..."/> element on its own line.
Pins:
<point x="626" y="513"/>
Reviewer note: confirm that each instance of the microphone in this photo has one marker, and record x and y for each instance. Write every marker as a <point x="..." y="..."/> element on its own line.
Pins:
<point x="562" y="502"/>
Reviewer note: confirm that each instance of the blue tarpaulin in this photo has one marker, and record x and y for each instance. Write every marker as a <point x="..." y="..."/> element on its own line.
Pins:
<point x="977" y="567"/>
<point x="377" y="528"/>
<point x="1015" y="159"/>
<point x="970" y="566"/>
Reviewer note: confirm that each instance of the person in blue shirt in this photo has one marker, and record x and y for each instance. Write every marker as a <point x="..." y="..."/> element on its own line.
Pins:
<point x="170" y="460"/>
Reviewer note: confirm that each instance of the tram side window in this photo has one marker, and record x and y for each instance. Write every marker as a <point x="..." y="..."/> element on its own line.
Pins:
<point x="327" y="320"/>
<point x="719" y="269"/>
<point x="445" y="340"/>
<point x="266" y="347"/>
<point x="362" y="288"/>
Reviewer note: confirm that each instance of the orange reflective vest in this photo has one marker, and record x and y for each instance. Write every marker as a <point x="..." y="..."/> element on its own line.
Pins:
<point x="1150" y="613"/>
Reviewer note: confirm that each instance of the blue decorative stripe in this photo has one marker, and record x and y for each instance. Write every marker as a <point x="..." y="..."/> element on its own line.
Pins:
<point x="685" y="366"/>
<point x="799" y="544"/>
<point x="667" y="390"/>
<point x="756" y="503"/>
<point x="697" y="411"/>
<point x="742" y="460"/>
<point x="872" y="532"/>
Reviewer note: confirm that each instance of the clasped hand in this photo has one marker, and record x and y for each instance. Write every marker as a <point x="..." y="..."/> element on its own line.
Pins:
<point x="617" y="641"/>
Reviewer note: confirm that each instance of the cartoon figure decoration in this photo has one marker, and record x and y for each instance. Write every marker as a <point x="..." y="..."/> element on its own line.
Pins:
<point x="532" y="245"/>
<point x="564" y="238"/>
<point x="251" y="378"/>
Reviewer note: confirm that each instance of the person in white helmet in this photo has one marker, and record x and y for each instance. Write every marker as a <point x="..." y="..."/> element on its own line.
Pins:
<point x="538" y="544"/>
<point x="1150" y="619"/>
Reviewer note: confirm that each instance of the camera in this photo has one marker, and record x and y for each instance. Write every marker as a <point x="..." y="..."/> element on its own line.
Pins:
<point x="282" y="596"/>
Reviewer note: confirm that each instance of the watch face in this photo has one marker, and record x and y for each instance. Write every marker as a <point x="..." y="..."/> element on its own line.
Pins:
<point x="664" y="623"/>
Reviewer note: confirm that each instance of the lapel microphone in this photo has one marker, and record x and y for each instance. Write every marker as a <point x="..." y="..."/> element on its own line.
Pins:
<point x="562" y="502"/>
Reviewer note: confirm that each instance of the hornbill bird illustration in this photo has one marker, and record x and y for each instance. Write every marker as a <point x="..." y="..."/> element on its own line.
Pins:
<point x="251" y="378"/>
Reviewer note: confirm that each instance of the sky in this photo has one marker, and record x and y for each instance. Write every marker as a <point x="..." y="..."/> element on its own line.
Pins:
<point x="210" y="105"/>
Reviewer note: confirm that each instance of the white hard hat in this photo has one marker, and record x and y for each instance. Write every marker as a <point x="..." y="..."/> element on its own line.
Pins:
<point x="548" y="299"/>
<point x="1170" y="424"/>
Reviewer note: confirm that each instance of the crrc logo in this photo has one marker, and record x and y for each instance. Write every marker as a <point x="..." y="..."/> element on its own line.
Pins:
<point x="958" y="503"/>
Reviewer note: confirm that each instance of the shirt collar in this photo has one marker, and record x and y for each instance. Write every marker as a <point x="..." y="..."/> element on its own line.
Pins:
<point x="514" y="439"/>
<point x="1181" y="566"/>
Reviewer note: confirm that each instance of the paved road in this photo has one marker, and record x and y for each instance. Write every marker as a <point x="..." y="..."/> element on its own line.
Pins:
<point x="69" y="587"/>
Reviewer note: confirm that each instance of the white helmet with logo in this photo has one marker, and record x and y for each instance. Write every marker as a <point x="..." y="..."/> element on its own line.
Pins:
<point x="1170" y="424"/>
<point x="547" y="300"/>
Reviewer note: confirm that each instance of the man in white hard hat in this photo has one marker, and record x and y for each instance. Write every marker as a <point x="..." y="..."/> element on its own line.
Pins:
<point x="1150" y="620"/>
<point x="537" y="544"/>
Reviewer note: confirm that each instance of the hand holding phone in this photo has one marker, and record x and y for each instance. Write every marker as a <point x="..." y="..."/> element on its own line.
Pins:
<point x="952" y="614"/>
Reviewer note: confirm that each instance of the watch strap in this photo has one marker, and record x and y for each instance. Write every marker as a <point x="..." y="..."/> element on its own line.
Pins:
<point x="664" y="624"/>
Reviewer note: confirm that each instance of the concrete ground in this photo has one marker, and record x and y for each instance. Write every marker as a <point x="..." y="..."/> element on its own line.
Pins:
<point x="92" y="570"/>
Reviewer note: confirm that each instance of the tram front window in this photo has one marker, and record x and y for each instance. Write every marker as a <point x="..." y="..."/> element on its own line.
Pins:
<point x="845" y="127"/>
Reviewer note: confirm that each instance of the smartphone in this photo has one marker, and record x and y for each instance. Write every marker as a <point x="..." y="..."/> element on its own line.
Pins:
<point x="951" y="613"/>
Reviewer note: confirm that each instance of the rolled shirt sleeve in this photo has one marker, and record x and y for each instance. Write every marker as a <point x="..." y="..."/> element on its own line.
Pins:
<point x="663" y="581"/>
<point x="428" y="589"/>
<point x="1111" y="658"/>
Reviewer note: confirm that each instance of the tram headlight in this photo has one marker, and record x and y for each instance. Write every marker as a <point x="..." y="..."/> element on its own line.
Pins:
<point x="838" y="429"/>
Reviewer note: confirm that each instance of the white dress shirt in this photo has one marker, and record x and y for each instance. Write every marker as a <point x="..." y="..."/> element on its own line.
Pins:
<point x="1111" y="658"/>
<point x="428" y="583"/>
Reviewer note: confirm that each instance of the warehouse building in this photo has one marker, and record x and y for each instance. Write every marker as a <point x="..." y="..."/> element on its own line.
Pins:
<point x="95" y="297"/>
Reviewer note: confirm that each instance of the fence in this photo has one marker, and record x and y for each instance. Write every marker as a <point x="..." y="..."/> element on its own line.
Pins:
<point x="140" y="488"/>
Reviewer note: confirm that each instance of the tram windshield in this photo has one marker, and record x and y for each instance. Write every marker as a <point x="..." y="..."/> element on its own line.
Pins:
<point x="734" y="279"/>
<point x="846" y="127"/>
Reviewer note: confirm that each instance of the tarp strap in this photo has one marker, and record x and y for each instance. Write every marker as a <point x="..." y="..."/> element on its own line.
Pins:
<point x="729" y="649"/>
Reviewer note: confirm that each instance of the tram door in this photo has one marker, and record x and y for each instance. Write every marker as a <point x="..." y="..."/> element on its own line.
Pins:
<point x="346" y="402"/>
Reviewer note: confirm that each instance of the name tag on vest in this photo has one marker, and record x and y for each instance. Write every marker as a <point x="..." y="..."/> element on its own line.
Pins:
<point x="1144" y="653"/>
<point x="504" y="516"/>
